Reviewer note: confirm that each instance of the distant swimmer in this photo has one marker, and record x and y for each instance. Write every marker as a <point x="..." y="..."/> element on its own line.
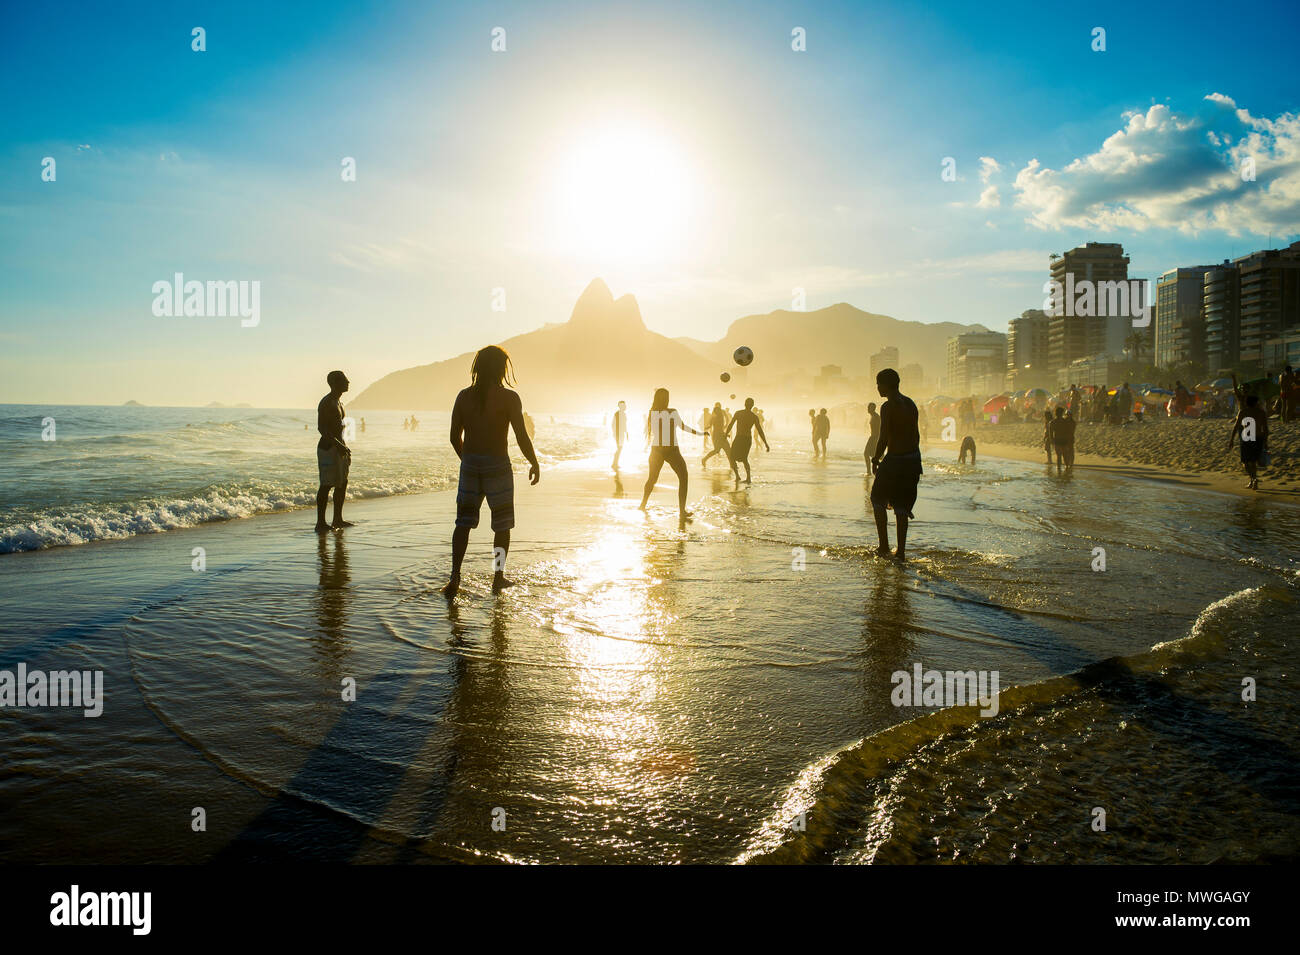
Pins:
<point x="620" y="431"/>
<point x="1252" y="427"/>
<point x="744" y="422"/>
<point x="967" y="445"/>
<point x="706" y="419"/>
<point x="333" y="457"/>
<point x="406" y="424"/>
<point x="414" y="424"/>
<point x="479" y="421"/>
<point x="821" y="431"/>
<point x="873" y="429"/>
<point x="718" y="424"/>
<point x="1062" y="429"/>
<point x="812" y="425"/>
<point x="363" y="425"/>
<point x="662" y="427"/>
<point x="899" y="472"/>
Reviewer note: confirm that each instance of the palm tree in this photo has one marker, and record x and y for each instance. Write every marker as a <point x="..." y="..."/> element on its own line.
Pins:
<point x="1135" y="345"/>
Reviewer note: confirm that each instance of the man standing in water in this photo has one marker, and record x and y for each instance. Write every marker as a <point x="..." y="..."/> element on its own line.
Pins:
<point x="333" y="457"/>
<point x="821" y="431"/>
<point x="896" y="475"/>
<point x="620" y="430"/>
<point x="479" y="420"/>
<point x="1062" y="431"/>
<point x="873" y="427"/>
<point x="718" y="424"/>
<point x="744" y="421"/>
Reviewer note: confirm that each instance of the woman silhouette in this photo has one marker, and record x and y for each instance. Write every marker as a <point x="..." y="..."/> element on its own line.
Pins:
<point x="662" y="426"/>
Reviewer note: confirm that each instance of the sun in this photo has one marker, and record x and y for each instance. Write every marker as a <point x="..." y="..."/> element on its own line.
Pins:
<point x="624" y="196"/>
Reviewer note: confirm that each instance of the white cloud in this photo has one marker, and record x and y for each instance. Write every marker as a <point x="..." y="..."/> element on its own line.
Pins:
<point x="990" y="198"/>
<point x="1166" y="170"/>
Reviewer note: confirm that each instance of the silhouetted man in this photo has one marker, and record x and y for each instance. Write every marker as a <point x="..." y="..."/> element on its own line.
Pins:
<point x="873" y="427"/>
<point x="1062" y="430"/>
<point x="896" y="475"/>
<point x="479" y="420"/>
<point x="967" y="447"/>
<point x="821" y="431"/>
<point x="718" y="425"/>
<point x="333" y="457"/>
<point x="744" y="422"/>
<point x="620" y="430"/>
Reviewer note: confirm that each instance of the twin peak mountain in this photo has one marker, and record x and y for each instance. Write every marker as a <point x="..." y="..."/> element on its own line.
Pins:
<point x="604" y="354"/>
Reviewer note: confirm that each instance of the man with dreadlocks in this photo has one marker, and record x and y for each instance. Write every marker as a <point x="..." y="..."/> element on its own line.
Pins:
<point x="479" y="420"/>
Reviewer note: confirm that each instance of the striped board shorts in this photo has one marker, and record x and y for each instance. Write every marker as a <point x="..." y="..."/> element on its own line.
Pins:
<point x="490" y="476"/>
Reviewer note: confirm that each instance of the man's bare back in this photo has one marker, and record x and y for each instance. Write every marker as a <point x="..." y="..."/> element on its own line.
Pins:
<point x="485" y="429"/>
<point x="898" y="424"/>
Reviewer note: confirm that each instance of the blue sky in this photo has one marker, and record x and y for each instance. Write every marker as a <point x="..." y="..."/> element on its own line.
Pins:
<point x="747" y="169"/>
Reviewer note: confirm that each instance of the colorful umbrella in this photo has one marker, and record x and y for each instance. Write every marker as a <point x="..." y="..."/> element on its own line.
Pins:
<point x="996" y="404"/>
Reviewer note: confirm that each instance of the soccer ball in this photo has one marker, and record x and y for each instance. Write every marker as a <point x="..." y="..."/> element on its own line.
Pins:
<point x="743" y="355"/>
<point x="725" y="376"/>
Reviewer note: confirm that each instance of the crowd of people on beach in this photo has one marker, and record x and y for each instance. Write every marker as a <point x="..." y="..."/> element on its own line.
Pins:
<point x="484" y="413"/>
<point x="488" y="409"/>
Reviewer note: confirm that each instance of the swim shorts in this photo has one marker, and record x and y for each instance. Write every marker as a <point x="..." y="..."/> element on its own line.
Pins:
<point x="333" y="466"/>
<point x="895" y="483"/>
<point x="490" y="476"/>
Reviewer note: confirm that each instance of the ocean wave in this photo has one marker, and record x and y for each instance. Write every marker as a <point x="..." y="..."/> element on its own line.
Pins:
<point x="933" y="788"/>
<point x="63" y="527"/>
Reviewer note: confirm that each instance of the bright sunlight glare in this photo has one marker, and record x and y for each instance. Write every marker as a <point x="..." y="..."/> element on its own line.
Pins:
<point x="624" y="196"/>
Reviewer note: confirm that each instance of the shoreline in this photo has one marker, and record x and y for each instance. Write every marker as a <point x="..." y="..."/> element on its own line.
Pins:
<point x="1214" y="481"/>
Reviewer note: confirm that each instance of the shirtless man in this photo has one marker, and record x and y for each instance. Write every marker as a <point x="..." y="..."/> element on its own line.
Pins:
<point x="333" y="457"/>
<point x="479" y="420"/>
<point x="821" y="431"/>
<point x="896" y="475"/>
<point x="744" y="422"/>
<point x="1252" y="427"/>
<point x="873" y="426"/>
<point x="718" y="424"/>
<point x="620" y="431"/>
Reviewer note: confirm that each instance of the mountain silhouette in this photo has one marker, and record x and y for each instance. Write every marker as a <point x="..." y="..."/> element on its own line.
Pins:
<point x="799" y="344"/>
<point x="602" y="354"/>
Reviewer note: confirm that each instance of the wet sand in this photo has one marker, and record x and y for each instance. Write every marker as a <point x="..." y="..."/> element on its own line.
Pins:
<point x="644" y="694"/>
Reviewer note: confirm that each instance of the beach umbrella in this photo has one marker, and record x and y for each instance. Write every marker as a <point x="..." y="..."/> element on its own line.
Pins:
<point x="1156" y="396"/>
<point x="996" y="404"/>
<point x="1264" y="387"/>
<point x="1032" y="393"/>
<point x="1215" y="385"/>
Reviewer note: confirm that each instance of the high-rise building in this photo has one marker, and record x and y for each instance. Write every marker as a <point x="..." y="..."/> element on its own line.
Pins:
<point x="976" y="363"/>
<point x="1221" y="314"/>
<point x="887" y="357"/>
<point x="1180" y="322"/>
<point x="913" y="376"/>
<point x="1071" y="336"/>
<point x="1269" y="305"/>
<point x="1027" y="340"/>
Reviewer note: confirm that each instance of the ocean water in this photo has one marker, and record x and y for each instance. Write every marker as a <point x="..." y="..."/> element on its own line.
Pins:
<point x="114" y="472"/>
<point x="718" y="694"/>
